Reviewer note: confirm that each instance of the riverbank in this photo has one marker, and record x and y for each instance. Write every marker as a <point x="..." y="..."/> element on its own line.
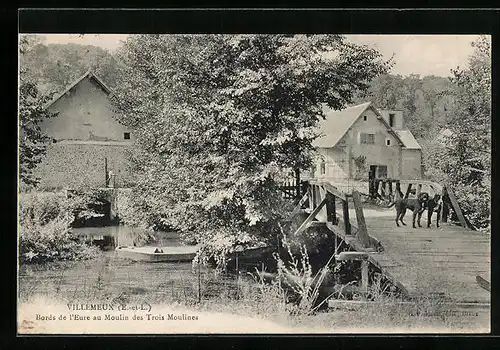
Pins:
<point x="48" y="316"/>
<point x="223" y="304"/>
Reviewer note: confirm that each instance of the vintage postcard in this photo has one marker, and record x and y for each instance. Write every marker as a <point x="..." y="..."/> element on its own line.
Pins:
<point x="173" y="184"/>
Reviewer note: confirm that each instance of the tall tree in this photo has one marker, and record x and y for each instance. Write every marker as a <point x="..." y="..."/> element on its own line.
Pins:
<point x="462" y="157"/>
<point x="219" y="118"/>
<point x="32" y="141"/>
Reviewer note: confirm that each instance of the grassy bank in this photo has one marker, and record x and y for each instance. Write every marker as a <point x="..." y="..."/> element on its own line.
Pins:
<point x="120" y="282"/>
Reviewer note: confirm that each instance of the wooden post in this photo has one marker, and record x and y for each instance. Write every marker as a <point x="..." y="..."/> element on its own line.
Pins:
<point x="390" y="190"/>
<point x="455" y="205"/>
<point x="299" y="205"/>
<point x="106" y="172"/>
<point x="362" y="234"/>
<point x="446" y="209"/>
<point x="199" y="282"/>
<point x="364" y="276"/>
<point x="330" y="208"/>
<point x="310" y="191"/>
<point x="382" y="189"/>
<point x="347" y="223"/>
<point x="297" y="184"/>
<point x="399" y="193"/>
<point x="313" y="197"/>
<point x="358" y="256"/>
<point x="408" y="190"/>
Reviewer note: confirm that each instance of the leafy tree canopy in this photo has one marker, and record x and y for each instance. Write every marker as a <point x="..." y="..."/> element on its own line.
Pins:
<point x="32" y="140"/>
<point x="462" y="155"/>
<point x="55" y="66"/>
<point x="220" y="118"/>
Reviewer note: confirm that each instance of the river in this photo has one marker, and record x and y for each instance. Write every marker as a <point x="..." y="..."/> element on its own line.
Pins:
<point x="109" y="276"/>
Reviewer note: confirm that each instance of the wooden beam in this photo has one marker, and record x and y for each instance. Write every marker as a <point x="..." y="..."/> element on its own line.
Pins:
<point x="362" y="234"/>
<point x="456" y="207"/>
<point x="349" y="256"/>
<point x="311" y="217"/>
<point x="333" y="190"/>
<point x="299" y="205"/>
<point x="322" y="215"/>
<point x="408" y="190"/>
<point x="483" y="283"/>
<point x="347" y="222"/>
<point x="330" y="208"/>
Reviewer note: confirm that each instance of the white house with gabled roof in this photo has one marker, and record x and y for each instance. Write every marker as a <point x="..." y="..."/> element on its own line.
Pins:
<point x="361" y="141"/>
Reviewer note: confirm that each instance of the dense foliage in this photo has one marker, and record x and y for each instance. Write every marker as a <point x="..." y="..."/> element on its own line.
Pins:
<point x="461" y="155"/>
<point x="44" y="228"/>
<point x="55" y="66"/>
<point x="220" y="118"/>
<point x="32" y="140"/>
<point x="426" y="102"/>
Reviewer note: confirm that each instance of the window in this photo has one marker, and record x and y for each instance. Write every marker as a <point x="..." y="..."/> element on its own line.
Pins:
<point x="388" y="142"/>
<point x="367" y="138"/>
<point x="126" y="136"/>
<point x="391" y="119"/>
<point x="364" y="118"/>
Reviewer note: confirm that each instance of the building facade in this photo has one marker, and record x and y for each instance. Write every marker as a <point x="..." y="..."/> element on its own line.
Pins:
<point x="89" y="146"/>
<point x="361" y="142"/>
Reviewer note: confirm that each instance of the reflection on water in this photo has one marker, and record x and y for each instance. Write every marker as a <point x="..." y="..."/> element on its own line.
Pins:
<point x="110" y="276"/>
<point x="109" y="237"/>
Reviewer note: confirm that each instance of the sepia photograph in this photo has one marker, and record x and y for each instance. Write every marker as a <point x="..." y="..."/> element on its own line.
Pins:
<point x="254" y="183"/>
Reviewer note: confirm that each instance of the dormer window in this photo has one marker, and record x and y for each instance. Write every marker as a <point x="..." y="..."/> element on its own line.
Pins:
<point x="391" y="119"/>
<point x="126" y="136"/>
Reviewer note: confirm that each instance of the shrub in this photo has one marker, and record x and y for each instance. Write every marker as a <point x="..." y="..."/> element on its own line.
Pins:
<point x="44" y="229"/>
<point x="296" y="274"/>
<point x="475" y="202"/>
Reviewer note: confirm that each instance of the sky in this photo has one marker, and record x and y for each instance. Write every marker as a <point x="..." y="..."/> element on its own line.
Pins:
<point x="413" y="54"/>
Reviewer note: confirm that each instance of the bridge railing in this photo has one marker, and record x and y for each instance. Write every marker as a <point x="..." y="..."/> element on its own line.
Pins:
<point x="322" y="199"/>
<point x="394" y="189"/>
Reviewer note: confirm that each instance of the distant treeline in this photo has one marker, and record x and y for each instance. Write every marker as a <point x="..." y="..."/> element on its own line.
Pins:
<point x="426" y="102"/>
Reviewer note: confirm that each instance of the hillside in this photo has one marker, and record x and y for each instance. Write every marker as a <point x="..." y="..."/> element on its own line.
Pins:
<point x="54" y="66"/>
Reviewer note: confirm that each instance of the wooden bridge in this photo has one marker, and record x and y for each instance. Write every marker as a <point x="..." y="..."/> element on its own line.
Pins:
<point x="451" y="262"/>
